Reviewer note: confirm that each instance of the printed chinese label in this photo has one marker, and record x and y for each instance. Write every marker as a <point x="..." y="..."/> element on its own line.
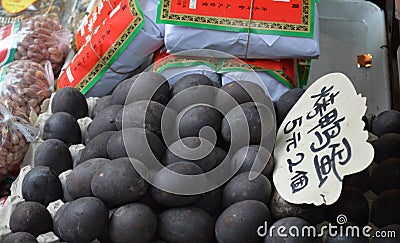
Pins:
<point x="94" y="19"/>
<point x="282" y="70"/>
<point x="163" y="60"/>
<point x="320" y="141"/>
<point x="293" y="18"/>
<point x="8" y="37"/>
<point x="109" y="40"/>
<point x="16" y="6"/>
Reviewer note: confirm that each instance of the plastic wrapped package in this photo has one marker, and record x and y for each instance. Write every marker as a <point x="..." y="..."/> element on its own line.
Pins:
<point x="248" y="44"/>
<point x="278" y="76"/>
<point x="16" y="133"/>
<point x="39" y="39"/>
<point x="115" y="49"/>
<point x="175" y="67"/>
<point x="27" y="83"/>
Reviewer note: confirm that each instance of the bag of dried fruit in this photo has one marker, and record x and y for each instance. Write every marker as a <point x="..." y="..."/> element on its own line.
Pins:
<point x="39" y="39"/>
<point x="27" y="83"/>
<point x="15" y="134"/>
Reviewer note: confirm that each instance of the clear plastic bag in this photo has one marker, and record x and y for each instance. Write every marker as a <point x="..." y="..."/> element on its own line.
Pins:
<point x="16" y="133"/>
<point x="39" y="39"/>
<point x="27" y="83"/>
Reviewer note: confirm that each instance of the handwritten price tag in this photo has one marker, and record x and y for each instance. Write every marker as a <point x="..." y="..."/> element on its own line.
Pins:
<point x="321" y="141"/>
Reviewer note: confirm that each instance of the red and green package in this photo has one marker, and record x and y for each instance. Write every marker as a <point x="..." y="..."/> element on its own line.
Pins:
<point x="99" y="13"/>
<point x="275" y="17"/>
<point x="115" y="49"/>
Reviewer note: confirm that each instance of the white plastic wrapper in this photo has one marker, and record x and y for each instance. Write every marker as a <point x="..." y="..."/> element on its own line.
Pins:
<point x="275" y="89"/>
<point x="180" y="38"/>
<point x="132" y="59"/>
<point x="176" y="73"/>
<point x="174" y="68"/>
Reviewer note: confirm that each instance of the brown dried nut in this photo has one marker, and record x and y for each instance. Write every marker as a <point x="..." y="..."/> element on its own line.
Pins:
<point x="53" y="50"/>
<point x="3" y="151"/>
<point x="33" y="103"/>
<point x="9" y="158"/>
<point x="37" y="110"/>
<point x="45" y="30"/>
<point x="24" y="45"/>
<point x="34" y="48"/>
<point x="56" y="58"/>
<point x="22" y="49"/>
<point x="14" y="139"/>
<point x="22" y="142"/>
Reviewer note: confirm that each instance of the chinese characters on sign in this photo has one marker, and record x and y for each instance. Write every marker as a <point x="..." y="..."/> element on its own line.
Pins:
<point x="316" y="142"/>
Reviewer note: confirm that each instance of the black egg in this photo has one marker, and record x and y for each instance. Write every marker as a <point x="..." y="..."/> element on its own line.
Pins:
<point x="118" y="183"/>
<point x="286" y="102"/>
<point x="190" y="121"/>
<point x="164" y="177"/>
<point x="241" y="188"/>
<point x="387" y="146"/>
<point x="102" y="103"/>
<point x="104" y="121"/>
<point x="78" y="182"/>
<point x="221" y="155"/>
<point x="211" y="202"/>
<point x="360" y="180"/>
<point x="31" y="217"/>
<point x="54" y="154"/>
<point x="385" y="208"/>
<point x="142" y="144"/>
<point x="192" y="89"/>
<point x="249" y="123"/>
<point x="202" y="158"/>
<point x="148" y="200"/>
<point x="351" y="203"/>
<point x="70" y="100"/>
<point x="254" y="155"/>
<point x="240" y="221"/>
<point x="149" y="86"/>
<point x="133" y="223"/>
<point x="282" y="209"/>
<point x="97" y="147"/>
<point x="143" y="114"/>
<point x="20" y="237"/>
<point x="120" y="92"/>
<point x="62" y="126"/>
<point x="240" y="92"/>
<point x="82" y="220"/>
<point x="386" y="122"/>
<point x="186" y="224"/>
<point x="42" y="185"/>
<point x="386" y="175"/>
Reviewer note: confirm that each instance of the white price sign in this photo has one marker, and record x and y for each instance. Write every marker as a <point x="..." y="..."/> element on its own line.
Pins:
<point x="320" y="141"/>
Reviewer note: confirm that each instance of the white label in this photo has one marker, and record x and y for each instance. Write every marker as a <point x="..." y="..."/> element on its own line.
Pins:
<point x="115" y="10"/>
<point x="69" y="75"/>
<point x="320" y="141"/>
<point x="286" y="1"/>
<point x="192" y="4"/>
